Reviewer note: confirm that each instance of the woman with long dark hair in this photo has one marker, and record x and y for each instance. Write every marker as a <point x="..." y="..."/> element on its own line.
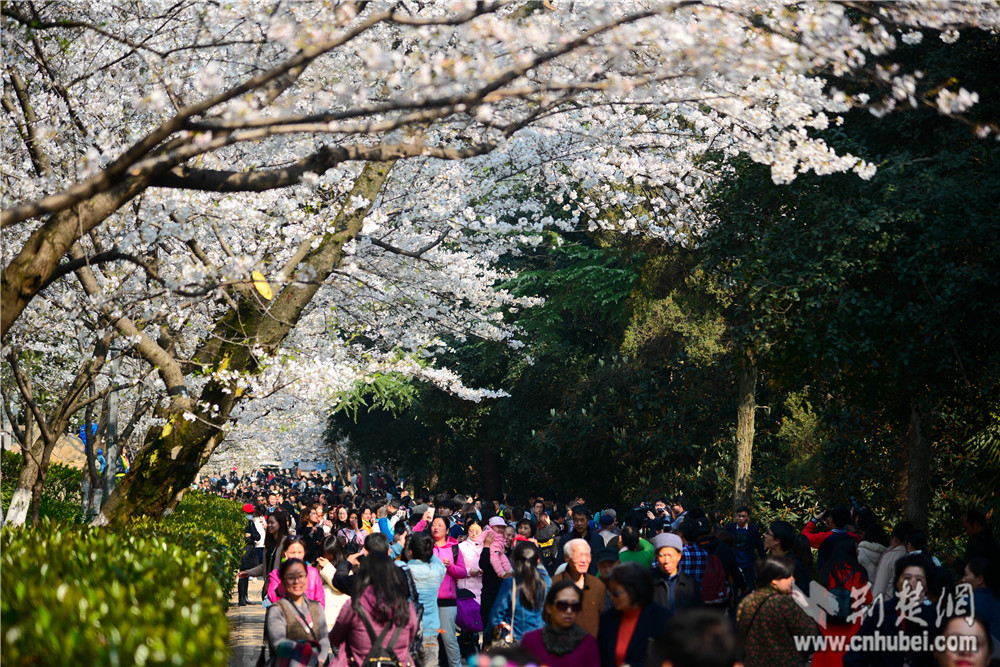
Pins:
<point x="339" y="519"/>
<point x="277" y="533"/>
<point x="843" y="576"/>
<point x="352" y="537"/>
<point x="779" y="540"/>
<point x="311" y="532"/>
<point x="519" y="603"/>
<point x="379" y="606"/>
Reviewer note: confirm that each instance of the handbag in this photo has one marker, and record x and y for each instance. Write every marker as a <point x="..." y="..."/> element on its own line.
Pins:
<point x="506" y="640"/>
<point x="468" y="618"/>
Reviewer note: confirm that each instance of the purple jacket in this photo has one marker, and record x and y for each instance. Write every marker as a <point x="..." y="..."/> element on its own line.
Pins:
<point x="350" y="628"/>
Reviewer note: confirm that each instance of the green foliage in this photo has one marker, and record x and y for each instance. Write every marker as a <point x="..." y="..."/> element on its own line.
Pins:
<point x="147" y="594"/>
<point x="875" y="295"/>
<point x="577" y="281"/>
<point x="856" y="298"/>
<point x="389" y="392"/>
<point x="61" y="495"/>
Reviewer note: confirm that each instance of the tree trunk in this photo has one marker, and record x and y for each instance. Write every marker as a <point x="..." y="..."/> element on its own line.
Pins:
<point x="490" y="472"/>
<point x="173" y="454"/>
<point x="744" y="430"/>
<point x="20" y="502"/>
<point x="918" y="477"/>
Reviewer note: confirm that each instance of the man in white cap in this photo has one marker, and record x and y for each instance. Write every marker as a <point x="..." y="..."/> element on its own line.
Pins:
<point x="672" y="588"/>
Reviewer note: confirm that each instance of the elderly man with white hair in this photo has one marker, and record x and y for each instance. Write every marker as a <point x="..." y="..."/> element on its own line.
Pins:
<point x="578" y="557"/>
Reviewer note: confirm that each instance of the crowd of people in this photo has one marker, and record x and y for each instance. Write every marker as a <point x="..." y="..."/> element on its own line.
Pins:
<point x="446" y="579"/>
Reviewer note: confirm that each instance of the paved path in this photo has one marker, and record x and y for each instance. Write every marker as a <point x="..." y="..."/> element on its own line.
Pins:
<point x="246" y="628"/>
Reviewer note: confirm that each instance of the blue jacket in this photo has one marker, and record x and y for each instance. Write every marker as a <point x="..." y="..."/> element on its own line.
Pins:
<point x="427" y="578"/>
<point x="525" y="620"/>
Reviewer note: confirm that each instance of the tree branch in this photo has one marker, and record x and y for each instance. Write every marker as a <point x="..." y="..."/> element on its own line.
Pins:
<point x="24" y="386"/>
<point x="323" y="159"/>
<point x="38" y="157"/>
<point x="167" y="365"/>
<point x="415" y="254"/>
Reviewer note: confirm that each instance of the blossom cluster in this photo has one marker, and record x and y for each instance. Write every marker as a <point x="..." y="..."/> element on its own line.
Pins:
<point x="518" y="119"/>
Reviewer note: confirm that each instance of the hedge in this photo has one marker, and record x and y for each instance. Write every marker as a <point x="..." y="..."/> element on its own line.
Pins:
<point x="149" y="593"/>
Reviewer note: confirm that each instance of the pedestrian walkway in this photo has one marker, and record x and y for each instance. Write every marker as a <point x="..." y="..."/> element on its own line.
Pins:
<point x="246" y="628"/>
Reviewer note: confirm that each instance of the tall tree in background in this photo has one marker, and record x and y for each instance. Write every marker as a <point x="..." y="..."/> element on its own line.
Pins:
<point x="881" y="292"/>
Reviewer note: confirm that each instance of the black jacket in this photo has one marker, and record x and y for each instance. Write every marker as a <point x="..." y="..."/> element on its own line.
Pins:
<point x="734" y="574"/>
<point x="752" y="549"/>
<point x="652" y="619"/>
<point x="250" y="552"/>
<point x="888" y="627"/>
<point x="687" y="592"/>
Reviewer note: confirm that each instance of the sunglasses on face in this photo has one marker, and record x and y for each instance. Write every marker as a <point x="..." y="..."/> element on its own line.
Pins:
<point x="565" y="605"/>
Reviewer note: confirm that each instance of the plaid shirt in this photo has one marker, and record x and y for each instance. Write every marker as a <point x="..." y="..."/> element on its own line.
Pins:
<point x="694" y="560"/>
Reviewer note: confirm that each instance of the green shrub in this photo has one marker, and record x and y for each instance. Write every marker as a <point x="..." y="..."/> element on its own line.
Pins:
<point x="212" y="527"/>
<point x="149" y="593"/>
<point x="61" y="495"/>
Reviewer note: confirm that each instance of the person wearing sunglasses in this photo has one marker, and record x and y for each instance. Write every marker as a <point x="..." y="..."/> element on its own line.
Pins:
<point x="625" y="630"/>
<point x="561" y="642"/>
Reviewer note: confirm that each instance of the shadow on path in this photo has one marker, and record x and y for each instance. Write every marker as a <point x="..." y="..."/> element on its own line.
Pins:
<point x="246" y="627"/>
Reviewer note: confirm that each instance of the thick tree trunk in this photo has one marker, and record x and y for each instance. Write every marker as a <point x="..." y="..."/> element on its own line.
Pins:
<point x="20" y="502"/>
<point x="744" y="430"/>
<point x="918" y="473"/>
<point x="173" y="454"/>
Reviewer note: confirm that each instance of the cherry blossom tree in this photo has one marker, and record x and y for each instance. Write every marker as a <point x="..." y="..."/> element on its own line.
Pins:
<point x="265" y="202"/>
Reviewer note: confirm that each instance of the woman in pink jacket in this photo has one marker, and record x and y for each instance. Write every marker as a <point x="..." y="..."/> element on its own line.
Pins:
<point x="296" y="548"/>
<point x="446" y="549"/>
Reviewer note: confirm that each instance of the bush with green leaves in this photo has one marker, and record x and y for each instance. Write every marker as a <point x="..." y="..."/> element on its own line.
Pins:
<point x="61" y="495"/>
<point x="149" y="593"/>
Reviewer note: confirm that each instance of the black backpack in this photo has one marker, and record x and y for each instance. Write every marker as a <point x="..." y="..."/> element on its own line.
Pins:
<point x="842" y="596"/>
<point x="380" y="655"/>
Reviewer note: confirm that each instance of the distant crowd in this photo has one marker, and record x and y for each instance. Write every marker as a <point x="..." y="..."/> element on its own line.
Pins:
<point x="450" y="578"/>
